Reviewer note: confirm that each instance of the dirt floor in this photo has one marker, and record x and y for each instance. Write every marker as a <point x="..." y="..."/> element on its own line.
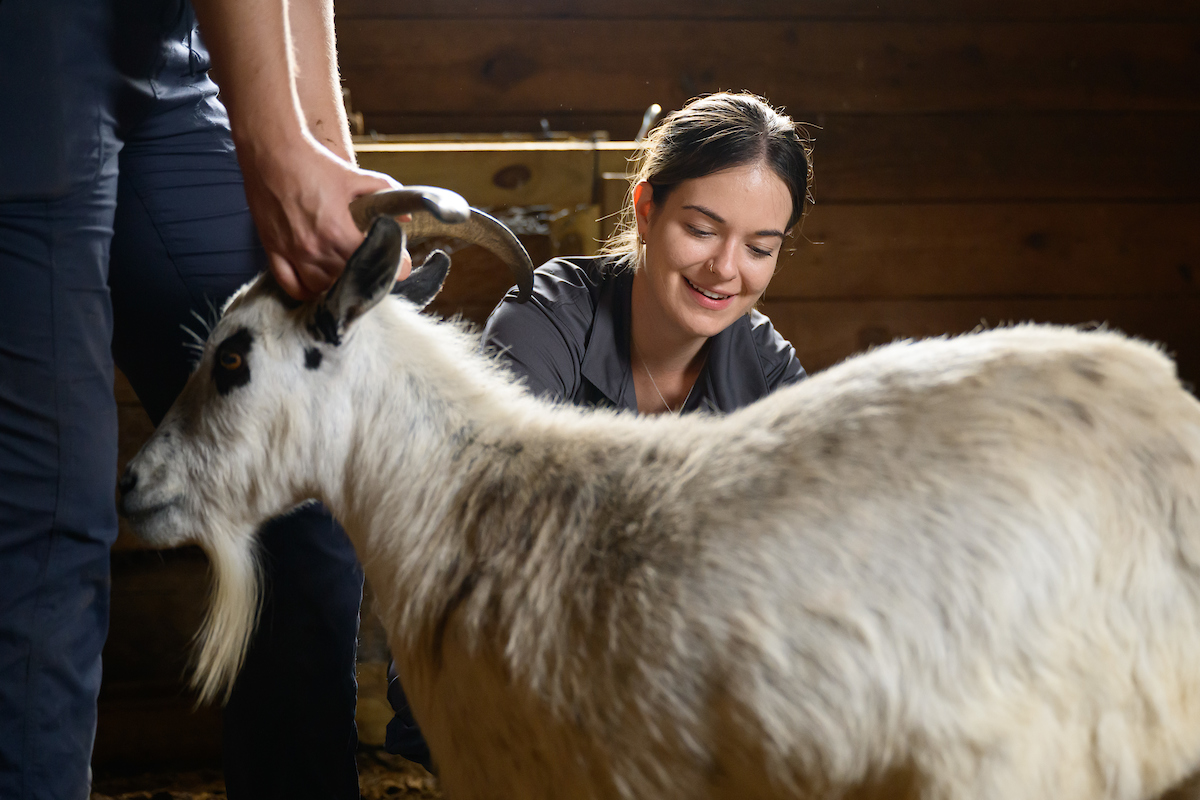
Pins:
<point x="380" y="777"/>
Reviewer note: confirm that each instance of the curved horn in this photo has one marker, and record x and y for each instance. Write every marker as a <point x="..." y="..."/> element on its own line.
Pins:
<point x="441" y="212"/>
<point x="444" y="204"/>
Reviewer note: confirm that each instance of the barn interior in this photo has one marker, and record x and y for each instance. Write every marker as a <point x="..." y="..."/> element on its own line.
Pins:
<point x="975" y="164"/>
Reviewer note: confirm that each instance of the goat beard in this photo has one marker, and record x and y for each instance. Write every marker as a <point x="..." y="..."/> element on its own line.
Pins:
<point x="234" y="601"/>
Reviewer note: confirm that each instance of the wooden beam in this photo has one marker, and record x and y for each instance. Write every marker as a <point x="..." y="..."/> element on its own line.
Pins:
<point x="404" y="67"/>
<point x="973" y="10"/>
<point x="827" y="332"/>
<point x="493" y="174"/>
<point x="1008" y="157"/>
<point x="618" y="126"/>
<point x="563" y="175"/>
<point x="864" y="252"/>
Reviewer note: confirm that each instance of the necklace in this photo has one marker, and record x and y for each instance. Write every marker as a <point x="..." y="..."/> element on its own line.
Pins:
<point x="650" y="375"/>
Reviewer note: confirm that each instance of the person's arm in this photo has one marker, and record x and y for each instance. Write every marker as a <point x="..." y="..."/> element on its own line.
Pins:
<point x="281" y="89"/>
<point x="544" y="340"/>
<point x="530" y="342"/>
<point x="318" y="86"/>
<point x="780" y="365"/>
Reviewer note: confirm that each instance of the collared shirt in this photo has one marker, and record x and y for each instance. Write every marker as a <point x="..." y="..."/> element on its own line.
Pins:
<point x="571" y="341"/>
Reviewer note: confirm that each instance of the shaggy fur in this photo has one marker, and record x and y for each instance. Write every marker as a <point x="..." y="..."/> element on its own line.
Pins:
<point x="960" y="568"/>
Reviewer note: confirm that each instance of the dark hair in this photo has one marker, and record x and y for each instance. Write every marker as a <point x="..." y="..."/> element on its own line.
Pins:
<point x="714" y="133"/>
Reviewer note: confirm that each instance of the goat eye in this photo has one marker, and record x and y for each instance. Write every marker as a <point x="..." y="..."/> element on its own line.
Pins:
<point x="230" y="368"/>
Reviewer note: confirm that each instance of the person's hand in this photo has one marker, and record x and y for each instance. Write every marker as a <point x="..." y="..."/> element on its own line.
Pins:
<point x="299" y="195"/>
<point x="279" y="82"/>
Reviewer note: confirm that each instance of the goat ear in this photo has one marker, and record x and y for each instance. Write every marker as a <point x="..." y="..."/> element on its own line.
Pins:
<point x="425" y="281"/>
<point x="368" y="276"/>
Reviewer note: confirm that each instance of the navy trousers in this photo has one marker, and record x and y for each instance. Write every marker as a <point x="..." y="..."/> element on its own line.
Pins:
<point x="122" y="212"/>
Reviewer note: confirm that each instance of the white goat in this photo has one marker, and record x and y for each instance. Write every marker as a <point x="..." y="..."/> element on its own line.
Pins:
<point x="963" y="568"/>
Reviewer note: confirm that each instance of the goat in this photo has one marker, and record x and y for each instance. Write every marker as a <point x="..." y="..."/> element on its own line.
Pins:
<point x="945" y="569"/>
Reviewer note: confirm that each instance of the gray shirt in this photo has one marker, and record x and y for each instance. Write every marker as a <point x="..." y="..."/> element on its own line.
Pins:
<point x="571" y="341"/>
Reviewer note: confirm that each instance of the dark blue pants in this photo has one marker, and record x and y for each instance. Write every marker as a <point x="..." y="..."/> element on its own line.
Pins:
<point x="122" y="212"/>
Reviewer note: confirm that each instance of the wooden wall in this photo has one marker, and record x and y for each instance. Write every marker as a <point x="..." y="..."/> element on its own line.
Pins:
<point x="975" y="161"/>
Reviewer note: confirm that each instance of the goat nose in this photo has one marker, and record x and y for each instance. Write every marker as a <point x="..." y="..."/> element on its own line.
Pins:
<point x="128" y="481"/>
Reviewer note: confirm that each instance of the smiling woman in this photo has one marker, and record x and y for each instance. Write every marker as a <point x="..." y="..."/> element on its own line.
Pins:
<point x="711" y="249"/>
<point x="665" y="321"/>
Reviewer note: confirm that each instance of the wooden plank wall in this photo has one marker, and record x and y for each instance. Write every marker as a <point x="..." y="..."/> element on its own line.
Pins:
<point x="975" y="161"/>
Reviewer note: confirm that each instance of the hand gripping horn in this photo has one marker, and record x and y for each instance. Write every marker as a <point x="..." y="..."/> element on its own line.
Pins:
<point x="441" y="212"/>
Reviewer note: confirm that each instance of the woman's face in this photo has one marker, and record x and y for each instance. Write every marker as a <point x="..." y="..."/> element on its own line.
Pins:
<point x="712" y="246"/>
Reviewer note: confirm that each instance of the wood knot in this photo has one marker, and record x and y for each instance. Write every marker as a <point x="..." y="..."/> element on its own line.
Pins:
<point x="505" y="70"/>
<point x="512" y="177"/>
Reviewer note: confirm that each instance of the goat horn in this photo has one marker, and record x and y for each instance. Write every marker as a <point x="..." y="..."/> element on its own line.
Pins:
<point x="441" y="212"/>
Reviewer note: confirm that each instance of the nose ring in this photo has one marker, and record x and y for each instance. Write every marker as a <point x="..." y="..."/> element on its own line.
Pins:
<point x="711" y="264"/>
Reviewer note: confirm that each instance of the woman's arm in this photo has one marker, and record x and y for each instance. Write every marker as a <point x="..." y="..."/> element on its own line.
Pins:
<point x="780" y="365"/>
<point x="534" y="347"/>
<point x="544" y="340"/>
<point x="278" y="69"/>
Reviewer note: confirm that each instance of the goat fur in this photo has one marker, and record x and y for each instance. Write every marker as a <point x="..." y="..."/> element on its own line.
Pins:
<point x="960" y="568"/>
